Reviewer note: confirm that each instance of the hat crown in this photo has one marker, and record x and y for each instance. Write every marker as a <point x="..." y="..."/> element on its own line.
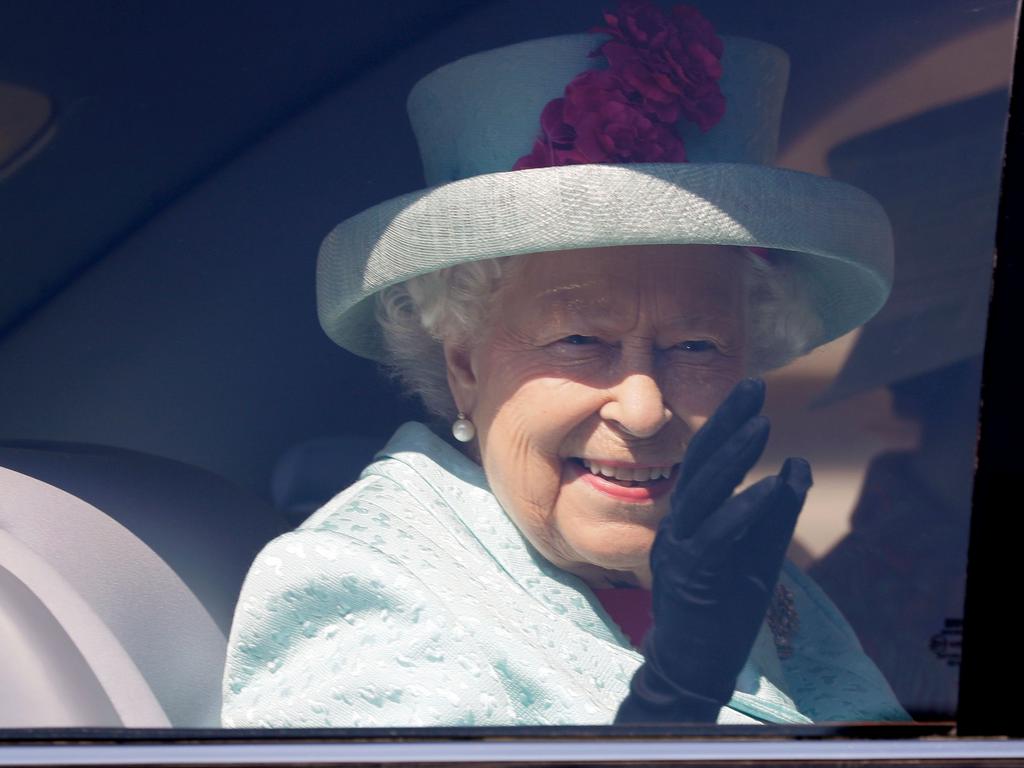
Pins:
<point x="474" y="119"/>
<point x="481" y="113"/>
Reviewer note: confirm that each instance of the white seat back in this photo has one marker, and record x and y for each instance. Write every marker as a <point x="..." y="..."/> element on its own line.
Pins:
<point x="61" y="666"/>
<point x="118" y="575"/>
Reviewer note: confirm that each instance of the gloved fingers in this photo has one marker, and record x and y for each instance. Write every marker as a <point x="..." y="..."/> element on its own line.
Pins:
<point x="741" y="577"/>
<point x="796" y="472"/>
<point x="654" y="697"/>
<point x="712" y="591"/>
<point x="699" y="560"/>
<point x="709" y="488"/>
<point x="773" y="502"/>
<point x="706" y="610"/>
<point x="731" y="522"/>
<point x="742" y="403"/>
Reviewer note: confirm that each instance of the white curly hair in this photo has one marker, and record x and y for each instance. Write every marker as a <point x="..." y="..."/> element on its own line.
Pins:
<point x="420" y="314"/>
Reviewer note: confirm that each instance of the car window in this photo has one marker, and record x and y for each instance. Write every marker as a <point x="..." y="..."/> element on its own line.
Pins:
<point x="452" y="365"/>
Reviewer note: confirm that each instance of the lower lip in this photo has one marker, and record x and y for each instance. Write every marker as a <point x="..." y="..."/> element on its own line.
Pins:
<point x="635" y="494"/>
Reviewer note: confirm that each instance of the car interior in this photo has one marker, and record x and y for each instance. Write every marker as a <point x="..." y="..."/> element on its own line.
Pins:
<point x="168" y="401"/>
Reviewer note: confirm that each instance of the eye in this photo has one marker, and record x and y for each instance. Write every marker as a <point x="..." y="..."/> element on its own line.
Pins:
<point x="577" y="340"/>
<point x="696" y="346"/>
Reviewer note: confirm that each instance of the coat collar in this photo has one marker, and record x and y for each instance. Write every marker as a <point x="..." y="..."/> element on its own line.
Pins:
<point x="462" y="486"/>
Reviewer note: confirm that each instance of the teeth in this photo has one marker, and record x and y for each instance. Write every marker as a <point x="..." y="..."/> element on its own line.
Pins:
<point x="641" y="474"/>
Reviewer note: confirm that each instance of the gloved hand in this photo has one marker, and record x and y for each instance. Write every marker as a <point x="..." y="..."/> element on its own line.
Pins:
<point x="715" y="562"/>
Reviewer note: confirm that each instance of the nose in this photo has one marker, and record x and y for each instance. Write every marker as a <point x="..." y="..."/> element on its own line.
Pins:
<point x="637" y="406"/>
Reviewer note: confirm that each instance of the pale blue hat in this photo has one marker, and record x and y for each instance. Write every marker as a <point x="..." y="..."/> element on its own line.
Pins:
<point x="475" y="117"/>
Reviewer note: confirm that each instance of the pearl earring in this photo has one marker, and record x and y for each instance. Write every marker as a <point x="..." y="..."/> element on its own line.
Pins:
<point x="463" y="429"/>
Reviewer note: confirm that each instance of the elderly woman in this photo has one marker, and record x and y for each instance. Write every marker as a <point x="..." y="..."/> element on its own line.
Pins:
<point x="582" y="306"/>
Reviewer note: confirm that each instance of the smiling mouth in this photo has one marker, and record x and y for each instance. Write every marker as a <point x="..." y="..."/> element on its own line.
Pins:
<point x="628" y="476"/>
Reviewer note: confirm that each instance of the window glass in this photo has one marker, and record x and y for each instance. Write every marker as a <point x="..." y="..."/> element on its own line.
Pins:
<point x="515" y="364"/>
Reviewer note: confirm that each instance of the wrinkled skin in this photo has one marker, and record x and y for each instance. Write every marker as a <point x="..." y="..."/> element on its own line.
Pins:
<point x="613" y="354"/>
<point x="624" y="357"/>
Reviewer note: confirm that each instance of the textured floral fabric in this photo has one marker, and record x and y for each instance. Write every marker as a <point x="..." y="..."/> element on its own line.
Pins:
<point x="411" y="599"/>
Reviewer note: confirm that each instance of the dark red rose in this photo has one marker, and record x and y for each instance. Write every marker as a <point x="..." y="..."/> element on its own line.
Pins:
<point x="621" y="133"/>
<point x="556" y="144"/>
<point x="670" y="63"/>
<point x="690" y="21"/>
<point x="639" y="23"/>
<point x="556" y="131"/>
<point x="590" y="92"/>
<point x="540" y="157"/>
<point x="698" y="60"/>
<point x="543" y="155"/>
<point x="643" y="83"/>
<point x="661" y="68"/>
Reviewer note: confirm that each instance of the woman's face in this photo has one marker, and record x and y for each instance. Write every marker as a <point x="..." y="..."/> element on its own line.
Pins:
<point x="594" y="363"/>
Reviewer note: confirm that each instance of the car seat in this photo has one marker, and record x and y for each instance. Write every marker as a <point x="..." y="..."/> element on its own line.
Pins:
<point x="119" y="572"/>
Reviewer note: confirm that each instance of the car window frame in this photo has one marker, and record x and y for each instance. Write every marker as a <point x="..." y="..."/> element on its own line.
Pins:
<point x="986" y="729"/>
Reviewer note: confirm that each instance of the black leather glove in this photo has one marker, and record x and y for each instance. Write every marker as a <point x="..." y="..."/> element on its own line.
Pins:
<point x="715" y="562"/>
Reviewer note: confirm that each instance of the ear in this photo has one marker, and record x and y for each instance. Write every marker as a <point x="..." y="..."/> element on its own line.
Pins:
<point x="462" y="379"/>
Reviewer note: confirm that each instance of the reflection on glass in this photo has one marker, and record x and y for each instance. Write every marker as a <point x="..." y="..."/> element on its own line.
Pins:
<point x="605" y="257"/>
<point x="698" y="379"/>
<point x="899" y="574"/>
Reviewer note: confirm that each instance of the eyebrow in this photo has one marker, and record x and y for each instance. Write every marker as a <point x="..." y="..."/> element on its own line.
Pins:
<point x="560" y="302"/>
<point x="605" y="314"/>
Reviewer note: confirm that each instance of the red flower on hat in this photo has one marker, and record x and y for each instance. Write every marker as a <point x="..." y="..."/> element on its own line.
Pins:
<point x="661" y="68"/>
<point x="611" y="127"/>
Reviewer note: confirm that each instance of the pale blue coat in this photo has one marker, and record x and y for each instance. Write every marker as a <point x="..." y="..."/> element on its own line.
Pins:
<point x="411" y="599"/>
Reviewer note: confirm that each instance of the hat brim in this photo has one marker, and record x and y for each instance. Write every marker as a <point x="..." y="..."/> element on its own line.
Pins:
<point x="837" y="239"/>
